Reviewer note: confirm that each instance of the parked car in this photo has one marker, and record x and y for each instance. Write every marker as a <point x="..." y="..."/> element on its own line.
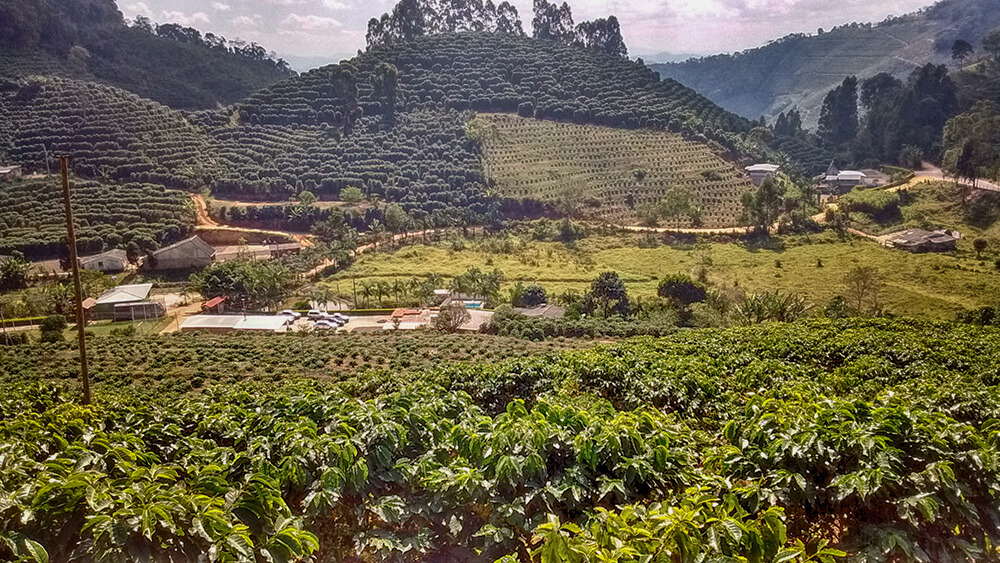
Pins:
<point x="342" y="317"/>
<point x="290" y="313"/>
<point x="331" y="319"/>
<point x="315" y="314"/>
<point x="325" y="325"/>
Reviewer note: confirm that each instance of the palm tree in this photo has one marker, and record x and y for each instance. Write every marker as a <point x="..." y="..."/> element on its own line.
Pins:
<point x="367" y="290"/>
<point x="399" y="287"/>
<point x="382" y="289"/>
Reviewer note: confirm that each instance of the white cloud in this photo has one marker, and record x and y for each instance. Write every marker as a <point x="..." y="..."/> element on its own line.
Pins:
<point x="246" y="21"/>
<point x="186" y="19"/>
<point x="140" y="9"/>
<point x="311" y="23"/>
<point x="220" y="7"/>
<point x="335" y="5"/>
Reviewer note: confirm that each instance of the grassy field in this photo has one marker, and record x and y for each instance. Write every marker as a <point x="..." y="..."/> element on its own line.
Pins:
<point x="929" y="286"/>
<point x="618" y="169"/>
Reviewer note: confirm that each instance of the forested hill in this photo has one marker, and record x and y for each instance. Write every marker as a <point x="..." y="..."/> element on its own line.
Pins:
<point x="798" y="70"/>
<point x="90" y="40"/>
<point x="495" y="72"/>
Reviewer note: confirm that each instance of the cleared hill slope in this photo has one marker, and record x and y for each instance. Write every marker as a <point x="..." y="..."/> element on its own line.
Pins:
<point x="606" y="172"/>
<point x="89" y="40"/>
<point x="798" y="70"/>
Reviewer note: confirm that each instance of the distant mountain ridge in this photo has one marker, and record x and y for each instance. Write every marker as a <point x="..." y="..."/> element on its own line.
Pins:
<point x="798" y="70"/>
<point x="89" y="40"/>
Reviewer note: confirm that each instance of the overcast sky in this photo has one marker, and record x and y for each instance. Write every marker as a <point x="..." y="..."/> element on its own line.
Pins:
<point x="332" y="29"/>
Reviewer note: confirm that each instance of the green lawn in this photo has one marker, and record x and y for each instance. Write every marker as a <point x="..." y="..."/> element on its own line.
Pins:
<point x="930" y="286"/>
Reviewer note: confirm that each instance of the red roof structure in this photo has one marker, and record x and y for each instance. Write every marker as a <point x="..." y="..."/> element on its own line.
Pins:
<point x="214" y="302"/>
<point x="402" y="312"/>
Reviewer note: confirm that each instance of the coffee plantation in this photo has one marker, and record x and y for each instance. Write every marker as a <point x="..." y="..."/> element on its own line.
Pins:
<point x="820" y="441"/>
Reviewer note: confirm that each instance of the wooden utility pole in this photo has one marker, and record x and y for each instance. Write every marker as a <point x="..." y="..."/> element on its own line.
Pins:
<point x="71" y="234"/>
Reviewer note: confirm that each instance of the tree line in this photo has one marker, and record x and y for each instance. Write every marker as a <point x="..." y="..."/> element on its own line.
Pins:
<point x="551" y="22"/>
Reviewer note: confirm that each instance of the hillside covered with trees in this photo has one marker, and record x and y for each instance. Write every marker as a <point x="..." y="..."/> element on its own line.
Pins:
<point x="796" y="71"/>
<point x="172" y="64"/>
<point x="396" y="122"/>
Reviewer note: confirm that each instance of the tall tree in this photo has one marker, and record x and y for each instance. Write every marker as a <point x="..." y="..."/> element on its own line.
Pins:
<point x="604" y="35"/>
<point x="838" y="121"/>
<point x="961" y="50"/>
<point x="385" y="89"/>
<point x="972" y="142"/>
<point x="609" y="290"/>
<point x="552" y="23"/>
<point x="762" y="208"/>
<point x="508" y="21"/>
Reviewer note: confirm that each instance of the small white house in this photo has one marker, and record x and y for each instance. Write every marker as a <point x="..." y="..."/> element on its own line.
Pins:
<point x="10" y="172"/>
<point x="843" y="179"/>
<point x="110" y="261"/>
<point x="758" y="172"/>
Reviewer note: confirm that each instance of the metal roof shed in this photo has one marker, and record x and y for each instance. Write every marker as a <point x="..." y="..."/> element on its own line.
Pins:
<point x="125" y="294"/>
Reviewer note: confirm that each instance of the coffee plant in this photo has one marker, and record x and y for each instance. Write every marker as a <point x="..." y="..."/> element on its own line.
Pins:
<point x="818" y="441"/>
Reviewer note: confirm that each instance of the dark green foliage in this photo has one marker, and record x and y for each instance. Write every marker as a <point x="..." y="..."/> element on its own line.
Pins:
<point x="980" y="245"/>
<point x="552" y="22"/>
<point x="603" y="35"/>
<point x="880" y="204"/>
<point x="52" y="328"/>
<point x="10" y="338"/>
<point x="412" y="18"/>
<point x="681" y="292"/>
<point x="13" y="272"/>
<point x="88" y="39"/>
<point x="805" y="152"/>
<point x="906" y="114"/>
<point x="110" y="134"/>
<point x="763" y="207"/>
<point x="838" y="122"/>
<point x="247" y="284"/>
<point x="608" y="291"/>
<point x="509" y="323"/>
<point x="961" y="49"/>
<point x="875" y="438"/>
<point x="498" y="72"/>
<point x="534" y="295"/>
<point x="107" y="215"/>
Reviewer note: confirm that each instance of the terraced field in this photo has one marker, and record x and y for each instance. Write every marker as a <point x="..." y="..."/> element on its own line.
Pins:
<point x="618" y="169"/>
<point x="110" y="133"/>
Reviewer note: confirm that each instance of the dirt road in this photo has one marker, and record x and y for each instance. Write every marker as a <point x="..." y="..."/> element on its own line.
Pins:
<point x="931" y="173"/>
<point x="205" y="222"/>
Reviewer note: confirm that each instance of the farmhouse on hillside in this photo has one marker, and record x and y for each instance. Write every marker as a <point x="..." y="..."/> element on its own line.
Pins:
<point x="10" y="172"/>
<point x="841" y="181"/>
<point x="919" y="240"/>
<point x="186" y="254"/>
<point x="758" y="172"/>
<point x="109" y="262"/>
